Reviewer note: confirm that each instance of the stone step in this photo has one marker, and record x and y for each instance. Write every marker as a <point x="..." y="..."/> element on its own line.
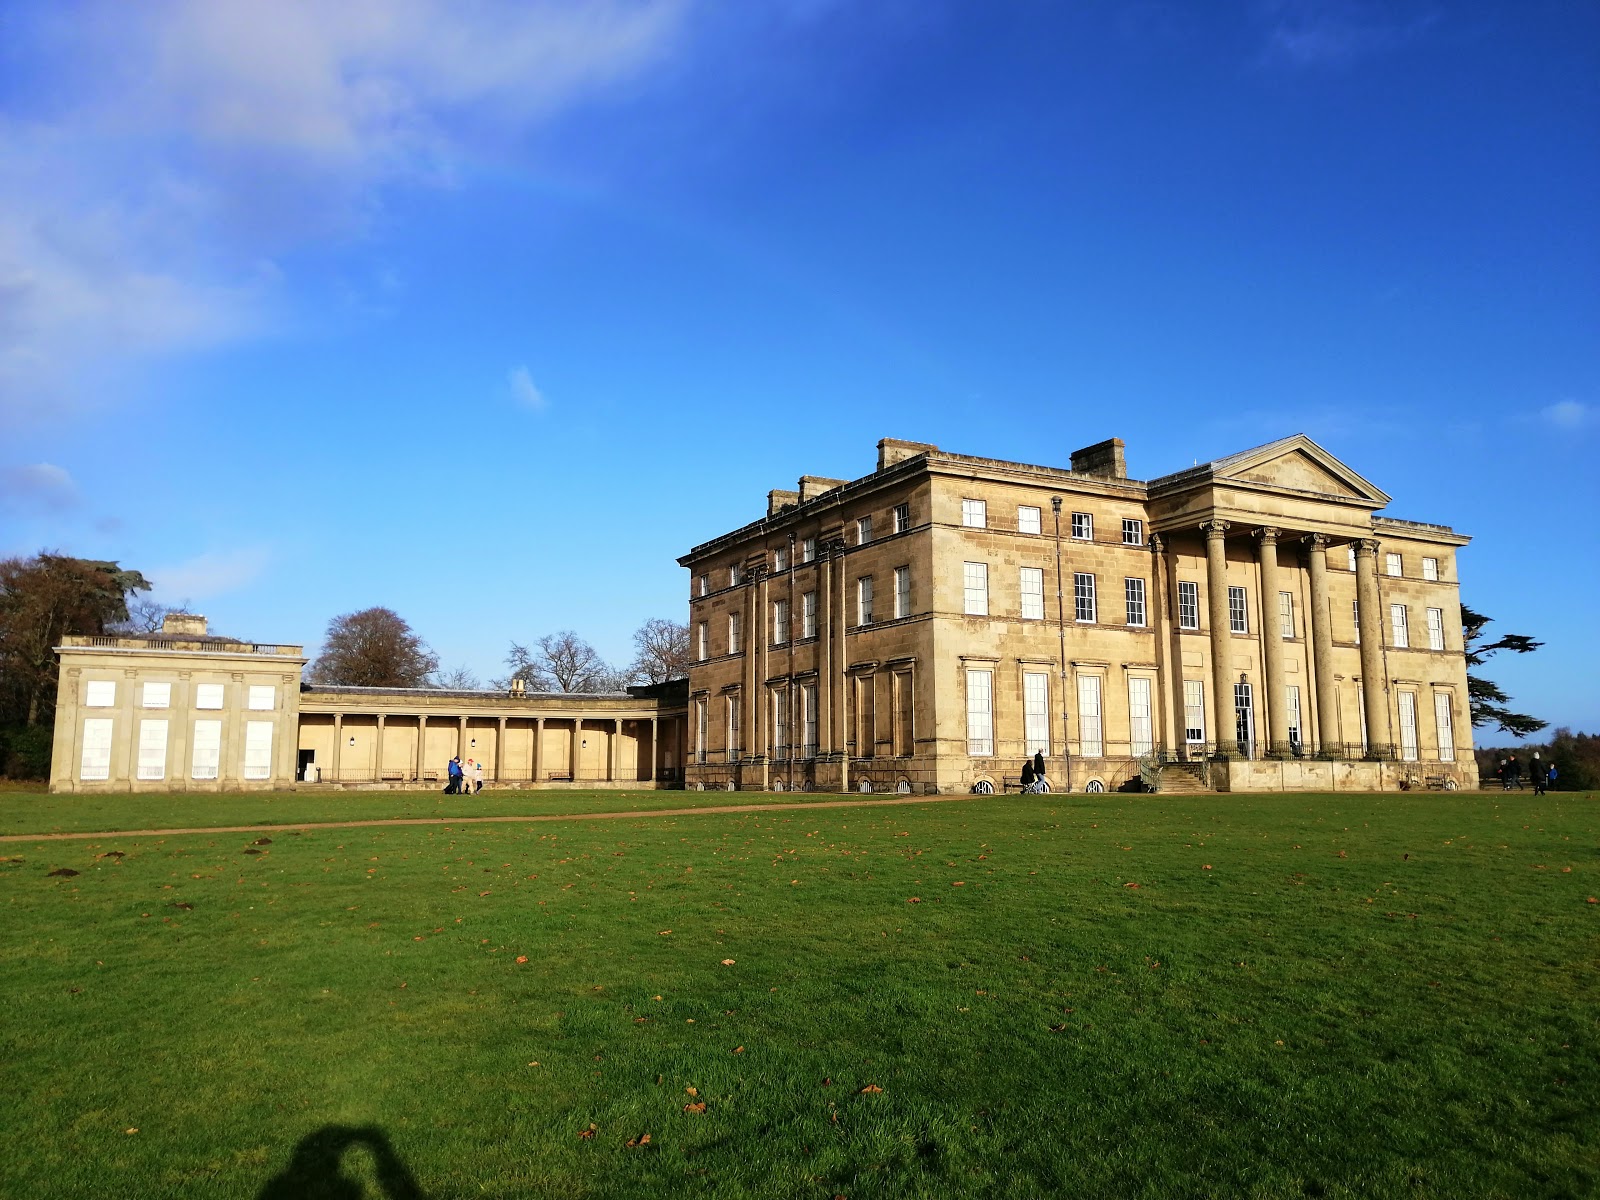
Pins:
<point x="1182" y="779"/>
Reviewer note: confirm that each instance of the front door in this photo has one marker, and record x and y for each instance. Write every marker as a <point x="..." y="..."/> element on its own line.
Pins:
<point x="1244" y="719"/>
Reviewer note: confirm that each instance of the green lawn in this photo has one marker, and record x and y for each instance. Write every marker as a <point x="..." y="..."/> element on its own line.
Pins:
<point x="1352" y="995"/>
<point x="41" y="812"/>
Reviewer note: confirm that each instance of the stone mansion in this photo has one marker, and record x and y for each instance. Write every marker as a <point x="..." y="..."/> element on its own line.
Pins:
<point x="1250" y="623"/>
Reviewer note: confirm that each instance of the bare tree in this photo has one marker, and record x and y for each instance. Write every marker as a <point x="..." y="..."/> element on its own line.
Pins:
<point x="562" y="662"/>
<point x="458" y="679"/>
<point x="662" y="648"/>
<point x="373" y="648"/>
<point x="148" y="616"/>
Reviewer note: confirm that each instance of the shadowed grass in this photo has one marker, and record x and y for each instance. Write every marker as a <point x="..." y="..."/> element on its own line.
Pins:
<point x="1304" y="996"/>
<point x="43" y="812"/>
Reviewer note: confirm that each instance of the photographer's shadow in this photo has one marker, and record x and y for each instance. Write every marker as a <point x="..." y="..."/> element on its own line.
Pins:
<point x="316" y="1172"/>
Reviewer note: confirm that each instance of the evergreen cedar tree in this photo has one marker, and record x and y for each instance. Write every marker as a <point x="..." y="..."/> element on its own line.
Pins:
<point x="1488" y="702"/>
<point x="373" y="648"/>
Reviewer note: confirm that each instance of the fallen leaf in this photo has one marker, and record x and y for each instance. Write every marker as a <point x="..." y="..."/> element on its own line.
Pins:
<point x="665" y="933"/>
<point x="689" y="1091"/>
<point x="959" y="883"/>
<point x="587" y="1133"/>
<point x="655" y="997"/>
<point x="914" y="900"/>
<point x="68" y="873"/>
<point x="698" y="1106"/>
<point x="642" y="1140"/>
<point x="522" y="958"/>
<point x="870" y="1088"/>
<point x="1057" y="1028"/>
<point x="727" y="962"/>
<point x="738" y="1049"/>
<point x="133" y="1130"/>
<point x="1207" y="867"/>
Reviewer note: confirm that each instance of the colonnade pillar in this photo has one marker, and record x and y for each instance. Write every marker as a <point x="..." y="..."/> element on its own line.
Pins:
<point x="422" y="747"/>
<point x="500" y="753"/>
<point x="1221" y="646"/>
<point x="655" y="746"/>
<point x="338" y="744"/>
<point x="1321" y="634"/>
<point x="1277" y="706"/>
<point x="538" y="748"/>
<point x="377" y="765"/>
<point x="1374" y="684"/>
<point x="616" y="749"/>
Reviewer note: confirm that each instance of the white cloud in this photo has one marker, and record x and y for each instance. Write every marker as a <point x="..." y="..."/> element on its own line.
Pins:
<point x="1567" y="414"/>
<point x="523" y="390"/>
<point x="1328" y="32"/>
<point x="208" y="575"/>
<point x="176" y="150"/>
<point x="37" y="487"/>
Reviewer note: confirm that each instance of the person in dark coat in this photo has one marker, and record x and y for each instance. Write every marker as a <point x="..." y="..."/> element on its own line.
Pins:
<point x="454" y="772"/>
<point x="1514" y="772"/>
<point x="1038" y="765"/>
<point x="1536" y="772"/>
<point x="1027" y="775"/>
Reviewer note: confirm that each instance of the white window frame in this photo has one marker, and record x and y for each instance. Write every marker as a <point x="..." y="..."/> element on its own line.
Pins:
<point x="1194" y="712"/>
<point x="1188" y="604"/>
<point x="1399" y="624"/>
<point x="975" y="589"/>
<point x="808" y="614"/>
<point x="1351" y="548"/>
<point x="1141" y="716"/>
<point x="156" y="695"/>
<point x="1133" y="594"/>
<point x="1028" y="518"/>
<point x="1238" y="610"/>
<point x="902" y="517"/>
<point x="1091" y="725"/>
<point x="152" y="749"/>
<point x="780" y="622"/>
<point x="1406" y="703"/>
<point x="808" y="550"/>
<point x="100" y="693"/>
<point x="863" y="530"/>
<point x="258" y="750"/>
<point x="1444" y="726"/>
<point x="980" y="713"/>
<point x="864" y="600"/>
<point x="262" y="697"/>
<point x="1296" y="737"/>
<point x="1436" y="629"/>
<point x="780" y="723"/>
<point x="735" y="574"/>
<point x="702" y="729"/>
<point x="780" y="559"/>
<point x="1355" y="621"/>
<point x="974" y="513"/>
<point x="703" y="639"/>
<point x="209" y="697"/>
<point x="94" y="762"/>
<point x="1030" y="586"/>
<point x="205" y="749"/>
<point x="902" y="592"/>
<point x="808" y="708"/>
<point x="1286" y="615"/>
<point x="1036" y="712"/>
<point x="1082" y="527"/>
<point x="1393" y="564"/>
<point x="1132" y="531"/>
<point x="735" y="631"/>
<point x="705" y="585"/>
<point x="733" y="746"/>
<point x="1085" y="605"/>
<point x="1430" y="569"/>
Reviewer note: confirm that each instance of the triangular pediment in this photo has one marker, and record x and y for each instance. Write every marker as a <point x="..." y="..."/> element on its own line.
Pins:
<point x="1298" y="464"/>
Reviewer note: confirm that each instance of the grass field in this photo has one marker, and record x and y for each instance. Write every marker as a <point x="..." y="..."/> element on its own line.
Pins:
<point x="1106" y="996"/>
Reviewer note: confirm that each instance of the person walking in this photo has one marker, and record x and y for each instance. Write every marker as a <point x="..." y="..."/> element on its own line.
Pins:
<point x="1513" y="772"/>
<point x="1038" y="770"/>
<point x="477" y="777"/>
<point x="1537" y="773"/>
<point x="1027" y="776"/>
<point x="454" y="772"/>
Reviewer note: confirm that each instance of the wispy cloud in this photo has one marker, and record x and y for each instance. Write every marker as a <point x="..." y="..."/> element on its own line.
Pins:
<point x="524" y="391"/>
<point x="1334" y="32"/>
<point x="211" y="574"/>
<point x="1568" y="414"/>
<point x="175" y="152"/>
<point x="37" y="488"/>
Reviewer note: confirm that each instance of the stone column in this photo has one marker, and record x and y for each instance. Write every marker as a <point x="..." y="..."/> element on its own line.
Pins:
<point x="615" y="748"/>
<point x="842" y="669"/>
<point x="1374" y="686"/>
<point x="1277" y="706"/>
<point x="825" y="677"/>
<point x="338" y="744"/>
<point x="577" y="746"/>
<point x="538" y="748"/>
<point x="500" y="753"/>
<point x="655" y="747"/>
<point x="377" y="750"/>
<point x="1168" y="662"/>
<point x="1222" y="728"/>
<point x="1321" y="622"/>
<point x="422" y="747"/>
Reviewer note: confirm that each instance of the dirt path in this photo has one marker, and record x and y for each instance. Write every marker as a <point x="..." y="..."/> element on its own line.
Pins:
<point x="600" y="816"/>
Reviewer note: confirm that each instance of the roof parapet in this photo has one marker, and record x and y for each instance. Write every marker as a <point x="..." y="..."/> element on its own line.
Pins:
<point x="1103" y="459"/>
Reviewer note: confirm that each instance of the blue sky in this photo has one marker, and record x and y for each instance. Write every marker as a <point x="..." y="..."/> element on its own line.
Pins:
<point x="487" y="312"/>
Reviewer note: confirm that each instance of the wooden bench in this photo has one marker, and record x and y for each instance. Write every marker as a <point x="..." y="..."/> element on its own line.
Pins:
<point x="1439" y="783"/>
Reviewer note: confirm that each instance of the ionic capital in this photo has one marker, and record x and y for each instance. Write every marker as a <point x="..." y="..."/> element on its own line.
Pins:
<point x="1214" y="529"/>
<point x="1155" y="543"/>
<point x="1315" y="541"/>
<point x="1366" y="547"/>
<point x="1267" y="535"/>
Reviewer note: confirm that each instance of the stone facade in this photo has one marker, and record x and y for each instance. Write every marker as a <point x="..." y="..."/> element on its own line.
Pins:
<point x="929" y="625"/>
<point x="183" y="710"/>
